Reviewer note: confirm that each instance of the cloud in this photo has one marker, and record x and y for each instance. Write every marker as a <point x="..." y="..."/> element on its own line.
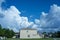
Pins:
<point x="10" y="18"/>
<point x="50" y="21"/>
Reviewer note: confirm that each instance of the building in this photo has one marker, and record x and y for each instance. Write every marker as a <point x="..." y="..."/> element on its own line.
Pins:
<point x="29" y="33"/>
<point x="17" y="35"/>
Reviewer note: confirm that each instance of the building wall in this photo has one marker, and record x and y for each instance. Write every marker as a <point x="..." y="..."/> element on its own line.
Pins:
<point x="29" y="34"/>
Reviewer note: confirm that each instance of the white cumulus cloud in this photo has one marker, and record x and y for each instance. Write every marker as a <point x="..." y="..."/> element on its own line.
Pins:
<point x="50" y="21"/>
<point x="10" y="18"/>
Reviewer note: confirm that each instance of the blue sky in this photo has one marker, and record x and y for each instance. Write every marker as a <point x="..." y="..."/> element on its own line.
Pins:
<point x="43" y="15"/>
<point x="31" y="7"/>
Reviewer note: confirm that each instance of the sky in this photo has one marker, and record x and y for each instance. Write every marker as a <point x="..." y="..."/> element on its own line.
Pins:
<point x="44" y="15"/>
<point x="31" y="8"/>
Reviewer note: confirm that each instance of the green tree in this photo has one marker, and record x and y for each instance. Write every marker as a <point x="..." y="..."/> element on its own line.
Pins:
<point x="58" y="34"/>
<point x="6" y="32"/>
<point x="9" y="33"/>
<point x="0" y="30"/>
<point x="44" y="33"/>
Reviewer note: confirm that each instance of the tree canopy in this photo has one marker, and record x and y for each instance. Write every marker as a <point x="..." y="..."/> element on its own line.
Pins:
<point x="6" y="32"/>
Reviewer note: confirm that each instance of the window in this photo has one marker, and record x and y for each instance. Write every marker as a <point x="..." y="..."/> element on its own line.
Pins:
<point x="28" y="35"/>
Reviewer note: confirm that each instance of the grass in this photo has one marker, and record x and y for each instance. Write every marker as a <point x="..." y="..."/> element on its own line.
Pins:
<point x="30" y="39"/>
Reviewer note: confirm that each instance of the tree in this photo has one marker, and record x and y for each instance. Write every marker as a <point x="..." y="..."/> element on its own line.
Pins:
<point x="44" y="33"/>
<point x="9" y="33"/>
<point x="0" y="27"/>
<point x="6" y="32"/>
<point x="1" y="30"/>
<point x="58" y="34"/>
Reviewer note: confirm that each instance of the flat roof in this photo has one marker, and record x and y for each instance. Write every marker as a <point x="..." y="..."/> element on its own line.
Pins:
<point x="28" y="29"/>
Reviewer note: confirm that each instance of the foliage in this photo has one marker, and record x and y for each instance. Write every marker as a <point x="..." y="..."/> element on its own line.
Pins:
<point x="6" y="32"/>
<point x="52" y="34"/>
<point x="56" y="34"/>
<point x="44" y="33"/>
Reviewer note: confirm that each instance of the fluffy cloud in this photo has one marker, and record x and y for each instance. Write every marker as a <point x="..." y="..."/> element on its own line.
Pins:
<point x="50" y="21"/>
<point x="11" y="19"/>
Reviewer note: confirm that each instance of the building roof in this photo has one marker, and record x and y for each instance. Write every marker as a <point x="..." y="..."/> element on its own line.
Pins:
<point x="28" y="29"/>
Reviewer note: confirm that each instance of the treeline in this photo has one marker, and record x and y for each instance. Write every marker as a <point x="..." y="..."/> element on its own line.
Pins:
<point x="56" y="34"/>
<point x="52" y="34"/>
<point x="6" y="32"/>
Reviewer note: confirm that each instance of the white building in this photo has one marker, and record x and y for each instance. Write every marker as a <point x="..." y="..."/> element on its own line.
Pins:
<point x="29" y="33"/>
